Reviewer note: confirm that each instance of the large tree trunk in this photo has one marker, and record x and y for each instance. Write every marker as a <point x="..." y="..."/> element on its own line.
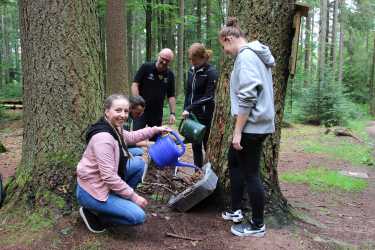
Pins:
<point x="117" y="69"/>
<point x="256" y="19"/>
<point x="62" y="95"/>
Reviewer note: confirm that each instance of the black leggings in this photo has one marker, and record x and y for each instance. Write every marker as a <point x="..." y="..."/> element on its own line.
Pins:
<point x="197" y="147"/>
<point x="244" y="167"/>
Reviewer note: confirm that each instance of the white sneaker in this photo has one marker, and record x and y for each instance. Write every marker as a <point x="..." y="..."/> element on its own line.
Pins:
<point x="235" y="216"/>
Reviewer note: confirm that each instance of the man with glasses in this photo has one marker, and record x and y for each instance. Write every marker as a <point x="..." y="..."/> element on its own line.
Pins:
<point x="153" y="81"/>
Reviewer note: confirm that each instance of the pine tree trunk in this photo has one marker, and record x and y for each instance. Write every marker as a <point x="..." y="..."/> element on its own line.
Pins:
<point x="199" y="21"/>
<point x="129" y="34"/>
<point x="180" y="59"/>
<point x="62" y="95"/>
<point x="117" y="70"/>
<point x="208" y="24"/>
<point x="256" y="19"/>
<point x="341" y="42"/>
<point x="148" y="9"/>
<point x="308" y="32"/>
<point x="372" y="81"/>
<point x="334" y="38"/>
<point x="322" y="47"/>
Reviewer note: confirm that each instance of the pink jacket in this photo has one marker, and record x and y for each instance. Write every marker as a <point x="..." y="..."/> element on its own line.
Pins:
<point x="97" y="170"/>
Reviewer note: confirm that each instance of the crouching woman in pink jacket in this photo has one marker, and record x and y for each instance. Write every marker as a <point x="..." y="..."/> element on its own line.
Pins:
<point x="107" y="174"/>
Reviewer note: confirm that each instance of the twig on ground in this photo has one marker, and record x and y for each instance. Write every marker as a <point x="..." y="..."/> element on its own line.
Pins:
<point x="181" y="237"/>
<point x="160" y="185"/>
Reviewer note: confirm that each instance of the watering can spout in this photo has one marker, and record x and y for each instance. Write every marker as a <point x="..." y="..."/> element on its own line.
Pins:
<point x="185" y="164"/>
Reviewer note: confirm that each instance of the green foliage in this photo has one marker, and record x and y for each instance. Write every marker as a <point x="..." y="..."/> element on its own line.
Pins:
<point x="37" y="221"/>
<point x="322" y="179"/>
<point x="353" y="152"/>
<point x="11" y="90"/>
<point x="319" y="103"/>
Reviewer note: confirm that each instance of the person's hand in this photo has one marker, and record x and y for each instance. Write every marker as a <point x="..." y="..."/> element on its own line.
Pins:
<point x="163" y="129"/>
<point x="139" y="200"/>
<point x="236" y="141"/>
<point x="185" y="114"/>
<point x="172" y="119"/>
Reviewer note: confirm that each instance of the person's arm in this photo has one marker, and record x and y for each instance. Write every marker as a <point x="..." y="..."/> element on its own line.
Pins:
<point x="241" y="120"/>
<point x="104" y="148"/>
<point x="137" y="80"/>
<point x="171" y="99"/>
<point x="135" y="89"/>
<point x="172" y="109"/>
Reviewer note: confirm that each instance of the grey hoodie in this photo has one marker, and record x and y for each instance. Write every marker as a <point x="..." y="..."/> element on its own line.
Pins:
<point x="251" y="88"/>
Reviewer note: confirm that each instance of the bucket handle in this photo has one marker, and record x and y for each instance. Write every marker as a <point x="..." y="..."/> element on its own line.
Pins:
<point x="183" y="120"/>
<point x="180" y="142"/>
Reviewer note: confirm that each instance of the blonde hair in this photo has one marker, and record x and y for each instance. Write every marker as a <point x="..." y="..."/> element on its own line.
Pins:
<point x="197" y="50"/>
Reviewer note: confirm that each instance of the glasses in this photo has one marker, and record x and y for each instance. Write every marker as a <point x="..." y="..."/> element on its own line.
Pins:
<point x="165" y="60"/>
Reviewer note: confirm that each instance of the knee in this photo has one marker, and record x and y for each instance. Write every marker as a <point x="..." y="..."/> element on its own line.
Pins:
<point x="138" y="217"/>
<point x="139" y="164"/>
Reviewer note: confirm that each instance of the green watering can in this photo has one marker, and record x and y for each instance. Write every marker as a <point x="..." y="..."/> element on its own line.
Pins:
<point x="191" y="129"/>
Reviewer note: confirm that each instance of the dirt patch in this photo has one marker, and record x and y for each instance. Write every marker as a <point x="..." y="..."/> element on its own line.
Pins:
<point x="336" y="219"/>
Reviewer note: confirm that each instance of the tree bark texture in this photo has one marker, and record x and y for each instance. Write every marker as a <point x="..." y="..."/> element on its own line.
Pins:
<point x="117" y="69"/>
<point x="308" y="35"/>
<point x="62" y="94"/>
<point x="272" y="21"/>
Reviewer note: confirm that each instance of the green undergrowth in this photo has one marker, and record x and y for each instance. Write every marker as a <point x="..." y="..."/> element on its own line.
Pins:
<point x="314" y="140"/>
<point x="345" y="150"/>
<point x="323" y="179"/>
<point x="21" y="226"/>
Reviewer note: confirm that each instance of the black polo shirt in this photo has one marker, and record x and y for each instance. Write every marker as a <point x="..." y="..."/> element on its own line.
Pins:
<point x="154" y="86"/>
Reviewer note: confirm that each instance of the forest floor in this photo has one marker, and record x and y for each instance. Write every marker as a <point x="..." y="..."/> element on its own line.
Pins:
<point x="333" y="219"/>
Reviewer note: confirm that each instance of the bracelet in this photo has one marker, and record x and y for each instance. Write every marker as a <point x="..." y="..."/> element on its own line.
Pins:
<point x="172" y="113"/>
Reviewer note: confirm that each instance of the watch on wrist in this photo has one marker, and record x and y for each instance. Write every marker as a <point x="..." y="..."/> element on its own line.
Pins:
<point x="172" y="113"/>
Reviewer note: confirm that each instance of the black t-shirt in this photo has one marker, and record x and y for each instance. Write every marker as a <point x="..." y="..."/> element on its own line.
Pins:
<point x="154" y="85"/>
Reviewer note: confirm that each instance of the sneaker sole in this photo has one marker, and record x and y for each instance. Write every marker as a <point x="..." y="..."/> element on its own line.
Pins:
<point x="235" y="220"/>
<point x="87" y="223"/>
<point x="259" y="234"/>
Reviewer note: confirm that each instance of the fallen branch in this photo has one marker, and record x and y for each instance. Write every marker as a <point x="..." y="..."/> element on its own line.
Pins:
<point x="181" y="237"/>
<point x="340" y="131"/>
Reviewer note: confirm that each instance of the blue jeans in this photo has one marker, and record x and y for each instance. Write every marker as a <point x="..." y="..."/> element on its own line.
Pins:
<point x="136" y="151"/>
<point x="117" y="210"/>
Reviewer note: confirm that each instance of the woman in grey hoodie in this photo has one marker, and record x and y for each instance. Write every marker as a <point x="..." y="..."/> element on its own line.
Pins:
<point x="252" y="106"/>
